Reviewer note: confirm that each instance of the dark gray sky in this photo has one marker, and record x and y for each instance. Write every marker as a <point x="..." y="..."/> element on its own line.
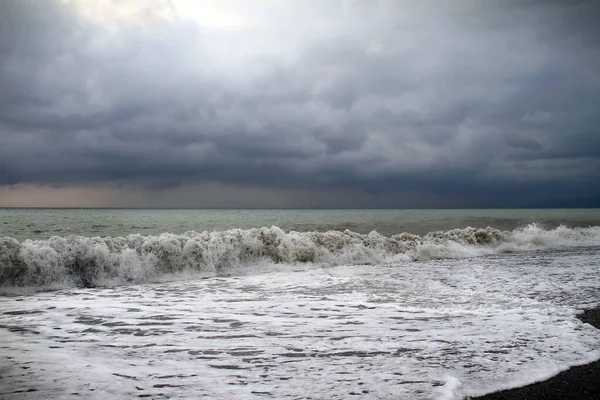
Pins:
<point x="300" y="103"/>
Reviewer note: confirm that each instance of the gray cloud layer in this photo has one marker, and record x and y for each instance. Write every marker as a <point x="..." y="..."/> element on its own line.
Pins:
<point x="489" y="102"/>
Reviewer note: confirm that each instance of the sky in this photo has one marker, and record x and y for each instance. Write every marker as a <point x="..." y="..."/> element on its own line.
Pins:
<point x="299" y="103"/>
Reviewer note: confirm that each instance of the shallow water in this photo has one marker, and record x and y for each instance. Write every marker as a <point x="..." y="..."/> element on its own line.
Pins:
<point x="436" y="329"/>
<point x="175" y="304"/>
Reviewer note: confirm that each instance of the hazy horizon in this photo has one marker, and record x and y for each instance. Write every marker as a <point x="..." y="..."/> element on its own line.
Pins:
<point x="297" y="209"/>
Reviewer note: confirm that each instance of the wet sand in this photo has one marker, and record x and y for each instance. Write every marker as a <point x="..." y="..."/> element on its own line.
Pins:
<point x="579" y="383"/>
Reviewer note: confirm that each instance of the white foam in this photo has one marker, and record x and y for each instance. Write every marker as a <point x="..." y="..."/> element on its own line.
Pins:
<point x="448" y="391"/>
<point x="94" y="261"/>
<point x="442" y="329"/>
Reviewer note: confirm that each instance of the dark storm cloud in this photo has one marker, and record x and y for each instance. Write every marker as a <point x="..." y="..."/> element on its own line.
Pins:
<point x="494" y="103"/>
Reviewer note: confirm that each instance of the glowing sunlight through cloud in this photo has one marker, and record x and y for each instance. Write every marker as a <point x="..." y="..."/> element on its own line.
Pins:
<point x="113" y="14"/>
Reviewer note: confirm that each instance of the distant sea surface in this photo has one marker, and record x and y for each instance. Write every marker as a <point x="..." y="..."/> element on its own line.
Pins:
<point x="44" y="223"/>
<point x="276" y="304"/>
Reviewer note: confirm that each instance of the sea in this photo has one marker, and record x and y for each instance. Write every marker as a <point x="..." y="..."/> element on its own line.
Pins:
<point x="293" y="304"/>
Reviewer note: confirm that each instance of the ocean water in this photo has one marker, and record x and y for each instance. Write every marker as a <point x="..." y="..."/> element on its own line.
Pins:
<point x="319" y="304"/>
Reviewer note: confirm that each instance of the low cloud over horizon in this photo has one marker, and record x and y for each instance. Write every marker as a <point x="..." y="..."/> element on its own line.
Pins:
<point x="299" y="103"/>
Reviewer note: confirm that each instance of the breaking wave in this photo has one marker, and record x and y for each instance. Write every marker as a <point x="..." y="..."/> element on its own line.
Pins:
<point x="82" y="261"/>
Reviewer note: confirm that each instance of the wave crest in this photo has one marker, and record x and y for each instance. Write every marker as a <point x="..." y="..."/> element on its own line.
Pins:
<point x="91" y="261"/>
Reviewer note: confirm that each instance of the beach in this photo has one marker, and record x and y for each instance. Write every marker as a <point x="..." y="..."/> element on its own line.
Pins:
<point x="577" y="383"/>
<point x="299" y="199"/>
<point x="266" y="312"/>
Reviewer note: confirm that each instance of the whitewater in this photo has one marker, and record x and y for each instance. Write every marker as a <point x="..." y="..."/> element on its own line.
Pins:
<point x="269" y="312"/>
<point x="91" y="261"/>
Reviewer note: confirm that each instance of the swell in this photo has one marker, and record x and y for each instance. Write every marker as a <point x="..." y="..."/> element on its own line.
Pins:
<point x="91" y="261"/>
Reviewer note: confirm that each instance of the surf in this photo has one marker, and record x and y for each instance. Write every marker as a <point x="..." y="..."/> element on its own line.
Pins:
<point x="86" y="261"/>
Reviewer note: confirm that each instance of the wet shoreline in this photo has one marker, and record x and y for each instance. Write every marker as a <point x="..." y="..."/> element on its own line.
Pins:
<point x="580" y="382"/>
